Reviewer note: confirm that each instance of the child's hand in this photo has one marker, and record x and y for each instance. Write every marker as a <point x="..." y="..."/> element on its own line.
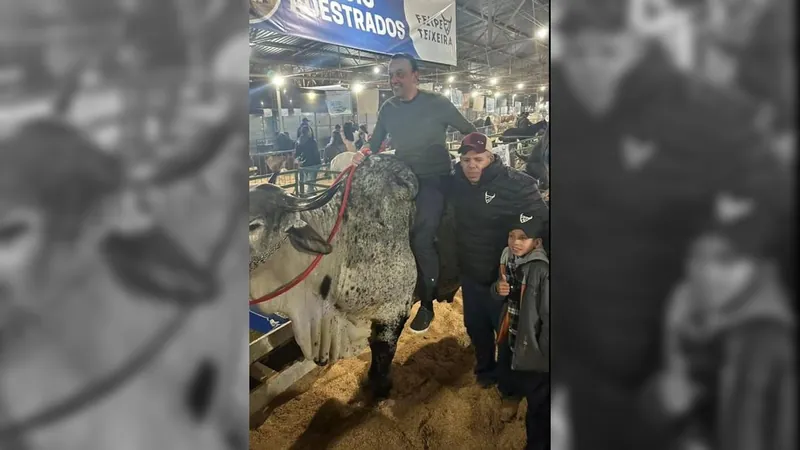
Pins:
<point x="503" y="288"/>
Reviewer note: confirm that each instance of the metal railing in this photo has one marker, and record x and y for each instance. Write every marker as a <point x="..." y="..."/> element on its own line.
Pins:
<point x="303" y="181"/>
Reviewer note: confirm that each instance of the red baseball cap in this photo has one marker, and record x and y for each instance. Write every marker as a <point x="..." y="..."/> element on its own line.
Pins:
<point x="474" y="141"/>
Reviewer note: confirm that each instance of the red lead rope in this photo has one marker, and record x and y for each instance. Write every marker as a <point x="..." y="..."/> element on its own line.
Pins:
<point x="298" y="279"/>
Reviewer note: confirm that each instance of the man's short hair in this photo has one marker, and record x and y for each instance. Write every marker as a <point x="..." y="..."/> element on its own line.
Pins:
<point x="411" y="60"/>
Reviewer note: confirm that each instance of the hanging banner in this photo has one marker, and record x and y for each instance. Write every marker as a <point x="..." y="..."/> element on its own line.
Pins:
<point x="490" y="101"/>
<point x="339" y="102"/>
<point x="267" y="113"/>
<point x="425" y="29"/>
<point x="367" y="101"/>
<point x="284" y="112"/>
<point x="465" y="98"/>
<point x="455" y="97"/>
<point x="518" y="107"/>
<point x="477" y="103"/>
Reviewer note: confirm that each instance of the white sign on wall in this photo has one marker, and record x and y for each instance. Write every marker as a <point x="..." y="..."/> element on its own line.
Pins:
<point x="284" y="112"/>
<point x="503" y="152"/>
<point x="267" y="113"/>
<point x="339" y="102"/>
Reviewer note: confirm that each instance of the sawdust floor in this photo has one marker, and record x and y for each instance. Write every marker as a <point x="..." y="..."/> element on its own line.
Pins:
<point x="435" y="403"/>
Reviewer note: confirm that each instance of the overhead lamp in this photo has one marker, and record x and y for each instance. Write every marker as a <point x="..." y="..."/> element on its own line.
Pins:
<point x="543" y="88"/>
<point x="278" y="80"/>
<point x="520" y="86"/>
<point x="542" y="33"/>
<point x="497" y="94"/>
<point x="312" y="94"/>
<point x="474" y="94"/>
<point x="358" y="87"/>
<point x="493" y="81"/>
<point x="451" y="78"/>
<point x="376" y="70"/>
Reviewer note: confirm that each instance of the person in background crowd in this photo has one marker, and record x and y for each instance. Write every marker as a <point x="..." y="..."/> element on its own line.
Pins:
<point x="524" y="337"/>
<point x="759" y="38"/>
<point x="154" y="49"/>
<point x="304" y="123"/>
<point x="418" y="123"/>
<point x="335" y="147"/>
<point x="363" y="135"/>
<point x="348" y="135"/>
<point x="284" y="142"/>
<point x="627" y="150"/>
<point x="486" y="195"/>
<point x="729" y="313"/>
<point x="523" y="120"/>
<point x="307" y="156"/>
<point x="488" y="121"/>
<point x="538" y="163"/>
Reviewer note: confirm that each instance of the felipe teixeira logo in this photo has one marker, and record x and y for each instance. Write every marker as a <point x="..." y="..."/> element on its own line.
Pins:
<point x="261" y="10"/>
<point x="435" y="29"/>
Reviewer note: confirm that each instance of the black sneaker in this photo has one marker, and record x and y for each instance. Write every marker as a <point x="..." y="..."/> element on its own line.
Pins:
<point x="422" y="321"/>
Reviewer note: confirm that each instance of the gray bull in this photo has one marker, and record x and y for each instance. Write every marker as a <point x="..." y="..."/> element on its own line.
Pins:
<point x="368" y="276"/>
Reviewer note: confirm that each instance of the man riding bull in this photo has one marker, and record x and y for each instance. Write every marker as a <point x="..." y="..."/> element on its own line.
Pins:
<point x="418" y="122"/>
<point x="647" y="150"/>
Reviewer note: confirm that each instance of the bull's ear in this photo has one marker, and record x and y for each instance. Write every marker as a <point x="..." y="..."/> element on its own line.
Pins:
<point x="305" y="239"/>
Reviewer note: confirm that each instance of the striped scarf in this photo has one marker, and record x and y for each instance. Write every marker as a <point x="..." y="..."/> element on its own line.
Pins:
<point x="513" y="276"/>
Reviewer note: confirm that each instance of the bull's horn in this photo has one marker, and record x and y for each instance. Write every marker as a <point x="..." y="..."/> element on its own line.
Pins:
<point x="296" y="204"/>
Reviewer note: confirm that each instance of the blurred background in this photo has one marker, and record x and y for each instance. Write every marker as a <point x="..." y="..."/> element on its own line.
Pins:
<point x="122" y="275"/>
<point x="674" y="274"/>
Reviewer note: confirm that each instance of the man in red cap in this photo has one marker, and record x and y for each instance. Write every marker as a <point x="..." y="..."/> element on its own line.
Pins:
<point x="487" y="195"/>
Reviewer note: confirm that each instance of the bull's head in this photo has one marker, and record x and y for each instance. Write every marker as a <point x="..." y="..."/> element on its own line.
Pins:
<point x="275" y="217"/>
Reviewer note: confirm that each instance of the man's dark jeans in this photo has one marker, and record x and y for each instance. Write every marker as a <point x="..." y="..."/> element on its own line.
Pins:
<point x="535" y="387"/>
<point x="430" y="207"/>
<point x="482" y="320"/>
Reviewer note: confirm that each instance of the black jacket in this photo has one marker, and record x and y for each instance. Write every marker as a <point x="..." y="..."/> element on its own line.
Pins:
<point x="538" y="162"/>
<point x="484" y="213"/>
<point x="308" y="153"/>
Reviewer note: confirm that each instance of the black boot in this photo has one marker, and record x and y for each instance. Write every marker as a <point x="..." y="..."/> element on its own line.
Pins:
<point x="422" y="321"/>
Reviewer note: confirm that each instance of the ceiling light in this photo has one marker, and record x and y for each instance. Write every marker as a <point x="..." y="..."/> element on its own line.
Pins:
<point x="358" y="87"/>
<point x="543" y="88"/>
<point x="278" y="80"/>
<point x="376" y="70"/>
<point x="542" y="33"/>
<point x="312" y="94"/>
<point x="520" y="86"/>
<point x="474" y="94"/>
<point x="451" y="79"/>
<point x="493" y="81"/>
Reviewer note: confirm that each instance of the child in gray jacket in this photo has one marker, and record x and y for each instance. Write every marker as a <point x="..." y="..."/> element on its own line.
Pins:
<point x="525" y="330"/>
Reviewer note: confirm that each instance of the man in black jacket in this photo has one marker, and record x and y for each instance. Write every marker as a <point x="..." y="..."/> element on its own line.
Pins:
<point x="645" y="152"/>
<point x="486" y="195"/>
